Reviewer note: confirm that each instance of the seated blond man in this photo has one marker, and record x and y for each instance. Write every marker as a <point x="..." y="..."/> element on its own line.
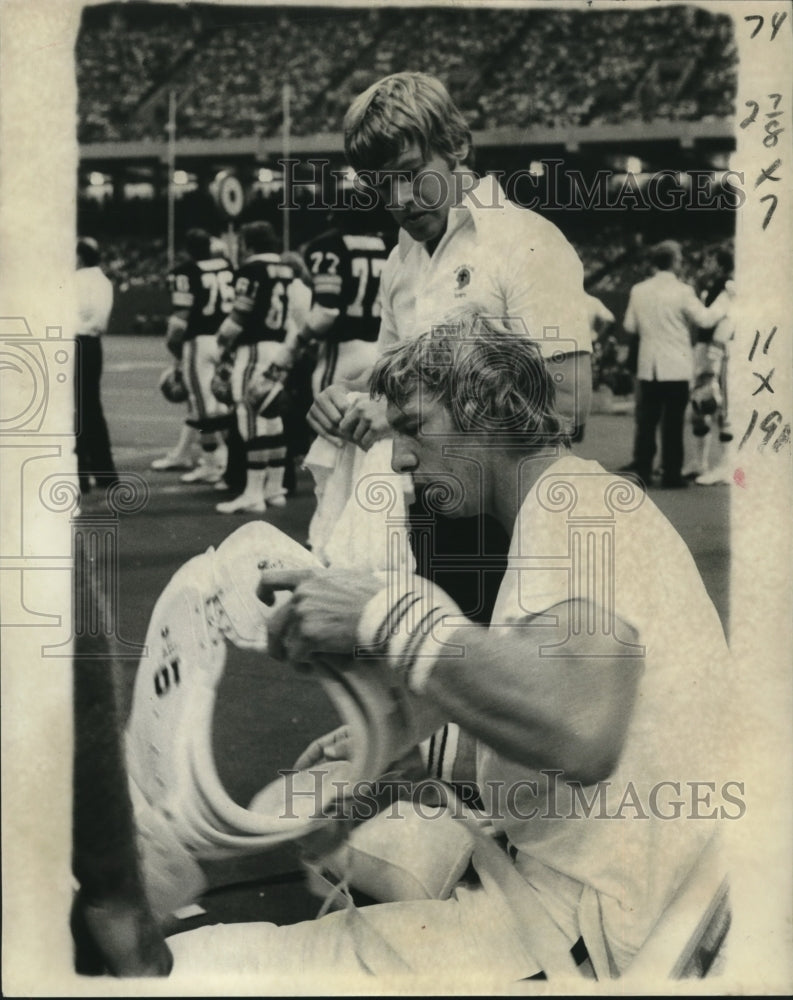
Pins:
<point x="583" y="693"/>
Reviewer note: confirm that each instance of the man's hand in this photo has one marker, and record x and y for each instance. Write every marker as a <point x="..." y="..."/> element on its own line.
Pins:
<point x="175" y="334"/>
<point x="365" y="422"/>
<point x="335" y="745"/>
<point x="282" y="356"/>
<point x="322" y="616"/>
<point x="327" y="412"/>
<point x="228" y="334"/>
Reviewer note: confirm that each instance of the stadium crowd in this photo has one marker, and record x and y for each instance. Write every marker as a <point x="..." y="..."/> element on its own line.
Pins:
<point x="583" y="67"/>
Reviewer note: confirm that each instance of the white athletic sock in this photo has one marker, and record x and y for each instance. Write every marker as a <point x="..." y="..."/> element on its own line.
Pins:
<point x="274" y="482"/>
<point x="254" y="487"/>
<point x="187" y="438"/>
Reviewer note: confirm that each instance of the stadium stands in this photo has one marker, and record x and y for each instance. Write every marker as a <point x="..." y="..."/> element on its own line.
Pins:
<point x="505" y="67"/>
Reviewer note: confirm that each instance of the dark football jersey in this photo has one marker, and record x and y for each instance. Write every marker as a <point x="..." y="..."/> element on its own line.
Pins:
<point x="206" y="289"/>
<point x="702" y="335"/>
<point x="261" y="297"/>
<point x="346" y="273"/>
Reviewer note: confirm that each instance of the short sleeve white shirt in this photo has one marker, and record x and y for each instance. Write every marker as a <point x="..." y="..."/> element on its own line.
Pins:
<point x="94" y="301"/>
<point x="507" y="260"/>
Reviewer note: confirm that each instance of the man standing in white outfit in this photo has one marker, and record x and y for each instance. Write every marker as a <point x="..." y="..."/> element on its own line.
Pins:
<point x="94" y="304"/>
<point x="663" y="312"/>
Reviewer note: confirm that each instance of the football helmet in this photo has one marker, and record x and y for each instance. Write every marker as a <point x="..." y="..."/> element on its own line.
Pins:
<point x="264" y="392"/>
<point x="221" y="384"/>
<point x="173" y="385"/>
<point x="706" y="396"/>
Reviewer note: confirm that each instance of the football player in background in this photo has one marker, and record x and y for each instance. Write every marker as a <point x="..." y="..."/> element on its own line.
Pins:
<point x="259" y="333"/>
<point x="709" y="395"/>
<point x="202" y="293"/>
<point x="601" y="320"/>
<point x="345" y="263"/>
<point x="298" y="381"/>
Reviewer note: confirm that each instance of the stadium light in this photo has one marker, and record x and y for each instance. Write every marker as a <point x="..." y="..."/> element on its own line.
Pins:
<point x="99" y="186"/>
<point x="139" y="189"/>
<point x="181" y="177"/>
<point x="633" y="165"/>
<point x="626" y="164"/>
<point x="537" y="168"/>
<point x="265" y="175"/>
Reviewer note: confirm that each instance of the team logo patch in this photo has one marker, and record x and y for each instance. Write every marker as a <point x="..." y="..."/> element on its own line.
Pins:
<point x="462" y="276"/>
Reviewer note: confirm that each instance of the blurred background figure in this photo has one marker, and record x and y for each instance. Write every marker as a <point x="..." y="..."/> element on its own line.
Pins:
<point x="201" y="291"/>
<point x="710" y="464"/>
<point x="340" y="335"/>
<point x="94" y="306"/>
<point x="601" y="322"/>
<point x="345" y="262"/>
<point x="297" y="384"/>
<point x="662" y="312"/>
<point x="268" y="296"/>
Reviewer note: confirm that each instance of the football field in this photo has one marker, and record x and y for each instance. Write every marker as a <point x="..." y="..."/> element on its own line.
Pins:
<point x="266" y="714"/>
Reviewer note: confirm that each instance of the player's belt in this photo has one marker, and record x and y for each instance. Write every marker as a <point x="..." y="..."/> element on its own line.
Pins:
<point x="183" y="812"/>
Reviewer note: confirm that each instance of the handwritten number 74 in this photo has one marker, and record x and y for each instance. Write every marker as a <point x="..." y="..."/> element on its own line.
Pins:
<point x="777" y="20"/>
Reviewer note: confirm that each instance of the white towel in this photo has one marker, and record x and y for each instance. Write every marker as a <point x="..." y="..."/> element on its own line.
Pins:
<point x="361" y="515"/>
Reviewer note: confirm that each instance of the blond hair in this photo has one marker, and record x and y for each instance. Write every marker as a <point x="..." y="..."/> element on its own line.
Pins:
<point x="401" y="109"/>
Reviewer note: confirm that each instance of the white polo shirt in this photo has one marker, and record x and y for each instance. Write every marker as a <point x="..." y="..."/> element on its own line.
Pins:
<point x="94" y="301"/>
<point x="509" y="261"/>
<point x="664" y="311"/>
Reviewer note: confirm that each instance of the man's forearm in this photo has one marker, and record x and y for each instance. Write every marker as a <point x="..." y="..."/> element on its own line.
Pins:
<point x="570" y="715"/>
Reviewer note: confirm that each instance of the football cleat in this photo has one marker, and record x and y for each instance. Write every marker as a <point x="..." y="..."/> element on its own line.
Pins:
<point x="242" y="505"/>
<point x="172" y="463"/>
<point x="203" y="473"/>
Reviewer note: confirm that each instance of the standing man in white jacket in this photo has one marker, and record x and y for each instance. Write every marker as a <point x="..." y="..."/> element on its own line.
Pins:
<point x="94" y="306"/>
<point x="664" y="312"/>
